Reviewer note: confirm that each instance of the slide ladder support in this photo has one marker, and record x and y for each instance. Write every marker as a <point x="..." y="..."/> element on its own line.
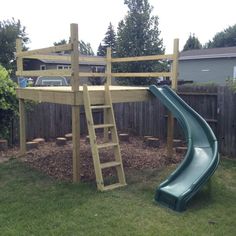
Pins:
<point x="114" y="144"/>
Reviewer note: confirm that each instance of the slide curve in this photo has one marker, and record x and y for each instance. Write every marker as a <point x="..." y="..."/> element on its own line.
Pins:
<point x="201" y="159"/>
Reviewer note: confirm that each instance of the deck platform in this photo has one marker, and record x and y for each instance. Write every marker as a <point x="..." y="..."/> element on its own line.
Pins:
<point x="65" y="95"/>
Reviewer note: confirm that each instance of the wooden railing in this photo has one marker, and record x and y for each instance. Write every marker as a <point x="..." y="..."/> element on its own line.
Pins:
<point x="74" y="59"/>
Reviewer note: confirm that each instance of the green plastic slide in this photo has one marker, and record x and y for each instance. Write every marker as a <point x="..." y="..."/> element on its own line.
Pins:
<point x="201" y="159"/>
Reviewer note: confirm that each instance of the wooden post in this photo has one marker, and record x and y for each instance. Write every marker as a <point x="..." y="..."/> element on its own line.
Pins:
<point x="75" y="109"/>
<point x="174" y="86"/>
<point x="74" y="57"/>
<point x="19" y="60"/>
<point x="108" y="66"/>
<point x="22" y="127"/>
<point x="175" y="65"/>
<point x="19" y="64"/>
<point x="108" y="82"/>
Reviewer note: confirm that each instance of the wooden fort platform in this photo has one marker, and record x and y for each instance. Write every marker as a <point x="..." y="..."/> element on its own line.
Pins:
<point x="65" y="95"/>
<point x="74" y="95"/>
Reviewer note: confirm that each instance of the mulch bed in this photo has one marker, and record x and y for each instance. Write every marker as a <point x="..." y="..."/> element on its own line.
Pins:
<point x="56" y="161"/>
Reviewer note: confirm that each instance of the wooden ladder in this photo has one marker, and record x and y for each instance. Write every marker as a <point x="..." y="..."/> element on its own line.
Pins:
<point x="114" y="143"/>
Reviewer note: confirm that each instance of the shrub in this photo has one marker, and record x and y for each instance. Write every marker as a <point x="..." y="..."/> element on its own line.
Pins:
<point x="8" y="103"/>
<point x="231" y="82"/>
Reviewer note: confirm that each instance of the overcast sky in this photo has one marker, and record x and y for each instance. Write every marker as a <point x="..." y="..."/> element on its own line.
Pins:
<point x="48" y="21"/>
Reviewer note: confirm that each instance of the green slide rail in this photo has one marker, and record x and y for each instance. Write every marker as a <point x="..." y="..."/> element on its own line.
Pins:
<point x="201" y="159"/>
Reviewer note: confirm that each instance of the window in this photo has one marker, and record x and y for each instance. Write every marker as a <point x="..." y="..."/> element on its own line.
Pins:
<point x="61" y="67"/>
<point x="42" y="67"/>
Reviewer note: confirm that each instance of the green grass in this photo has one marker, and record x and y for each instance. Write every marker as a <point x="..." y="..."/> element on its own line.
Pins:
<point x="34" y="204"/>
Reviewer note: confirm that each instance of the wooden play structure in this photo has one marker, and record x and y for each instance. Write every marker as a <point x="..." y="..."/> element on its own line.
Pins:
<point x="92" y="97"/>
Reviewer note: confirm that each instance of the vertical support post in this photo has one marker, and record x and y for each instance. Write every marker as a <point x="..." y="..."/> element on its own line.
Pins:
<point x="174" y="86"/>
<point x="19" y="65"/>
<point x="175" y="65"/>
<point x="108" y="82"/>
<point x="75" y="108"/>
<point x="22" y="127"/>
<point x="108" y="66"/>
<point x="19" y="60"/>
<point x="74" y="57"/>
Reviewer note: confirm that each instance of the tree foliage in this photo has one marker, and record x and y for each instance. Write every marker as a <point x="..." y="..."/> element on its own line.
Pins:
<point x="108" y="41"/>
<point x="84" y="48"/>
<point x="225" y="38"/>
<point x="138" y="35"/>
<point x="8" y="103"/>
<point x="192" y="43"/>
<point x="10" y="30"/>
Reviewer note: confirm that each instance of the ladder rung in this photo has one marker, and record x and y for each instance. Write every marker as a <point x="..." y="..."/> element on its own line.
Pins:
<point x="110" y="164"/>
<point x="105" y="145"/>
<point x="113" y="186"/>
<point x="100" y="106"/>
<point x="103" y="126"/>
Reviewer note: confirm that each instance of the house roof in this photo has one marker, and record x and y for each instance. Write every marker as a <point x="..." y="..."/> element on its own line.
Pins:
<point x="208" y="53"/>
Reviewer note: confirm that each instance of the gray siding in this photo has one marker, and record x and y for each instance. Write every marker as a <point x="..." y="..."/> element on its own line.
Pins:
<point x="207" y="70"/>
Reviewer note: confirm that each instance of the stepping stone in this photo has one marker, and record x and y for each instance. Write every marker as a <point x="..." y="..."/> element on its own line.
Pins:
<point x="31" y="145"/>
<point x="68" y="136"/>
<point x="181" y="150"/>
<point x="60" y="141"/>
<point x="153" y="142"/>
<point x="3" y="144"/>
<point x="124" y="137"/>
<point x="39" y="140"/>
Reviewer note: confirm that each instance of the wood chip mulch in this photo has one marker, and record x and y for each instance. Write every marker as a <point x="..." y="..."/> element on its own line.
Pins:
<point x="56" y="161"/>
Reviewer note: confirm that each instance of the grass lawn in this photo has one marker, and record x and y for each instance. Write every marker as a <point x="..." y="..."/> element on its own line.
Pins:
<point x="34" y="204"/>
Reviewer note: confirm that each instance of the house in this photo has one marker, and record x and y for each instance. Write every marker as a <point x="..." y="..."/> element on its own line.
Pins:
<point x="42" y="64"/>
<point x="208" y="65"/>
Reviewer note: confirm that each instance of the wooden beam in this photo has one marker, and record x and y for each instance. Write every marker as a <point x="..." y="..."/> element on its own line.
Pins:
<point x="30" y="73"/>
<point x="22" y="127"/>
<point x="40" y="95"/>
<point x="92" y="74"/>
<point x="64" y="47"/>
<point x="67" y="58"/>
<point x="51" y="57"/>
<point x="101" y="60"/>
<point x="108" y="82"/>
<point x="75" y="109"/>
<point x="76" y="143"/>
<point x="143" y="58"/>
<point x="19" y="60"/>
<point x="175" y="65"/>
<point x="62" y="72"/>
<point x="108" y="68"/>
<point x="174" y="84"/>
<point x="143" y="74"/>
<point x="74" y="57"/>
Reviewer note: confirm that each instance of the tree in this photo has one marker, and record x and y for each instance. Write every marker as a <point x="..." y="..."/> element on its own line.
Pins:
<point x="108" y="41"/>
<point x="61" y="42"/>
<point x="225" y="38"/>
<point x="138" y="35"/>
<point x="192" y="43"/>
<point x="10" y="30"/>
<point x="8" y="103"/>
<point x="84" y="48"/>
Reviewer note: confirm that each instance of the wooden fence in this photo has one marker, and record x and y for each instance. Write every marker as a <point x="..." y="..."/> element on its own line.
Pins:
<point x="216" y="104"/>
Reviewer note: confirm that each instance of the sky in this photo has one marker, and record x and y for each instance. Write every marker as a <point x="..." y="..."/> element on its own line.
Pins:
<point x="48" y="21"/>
